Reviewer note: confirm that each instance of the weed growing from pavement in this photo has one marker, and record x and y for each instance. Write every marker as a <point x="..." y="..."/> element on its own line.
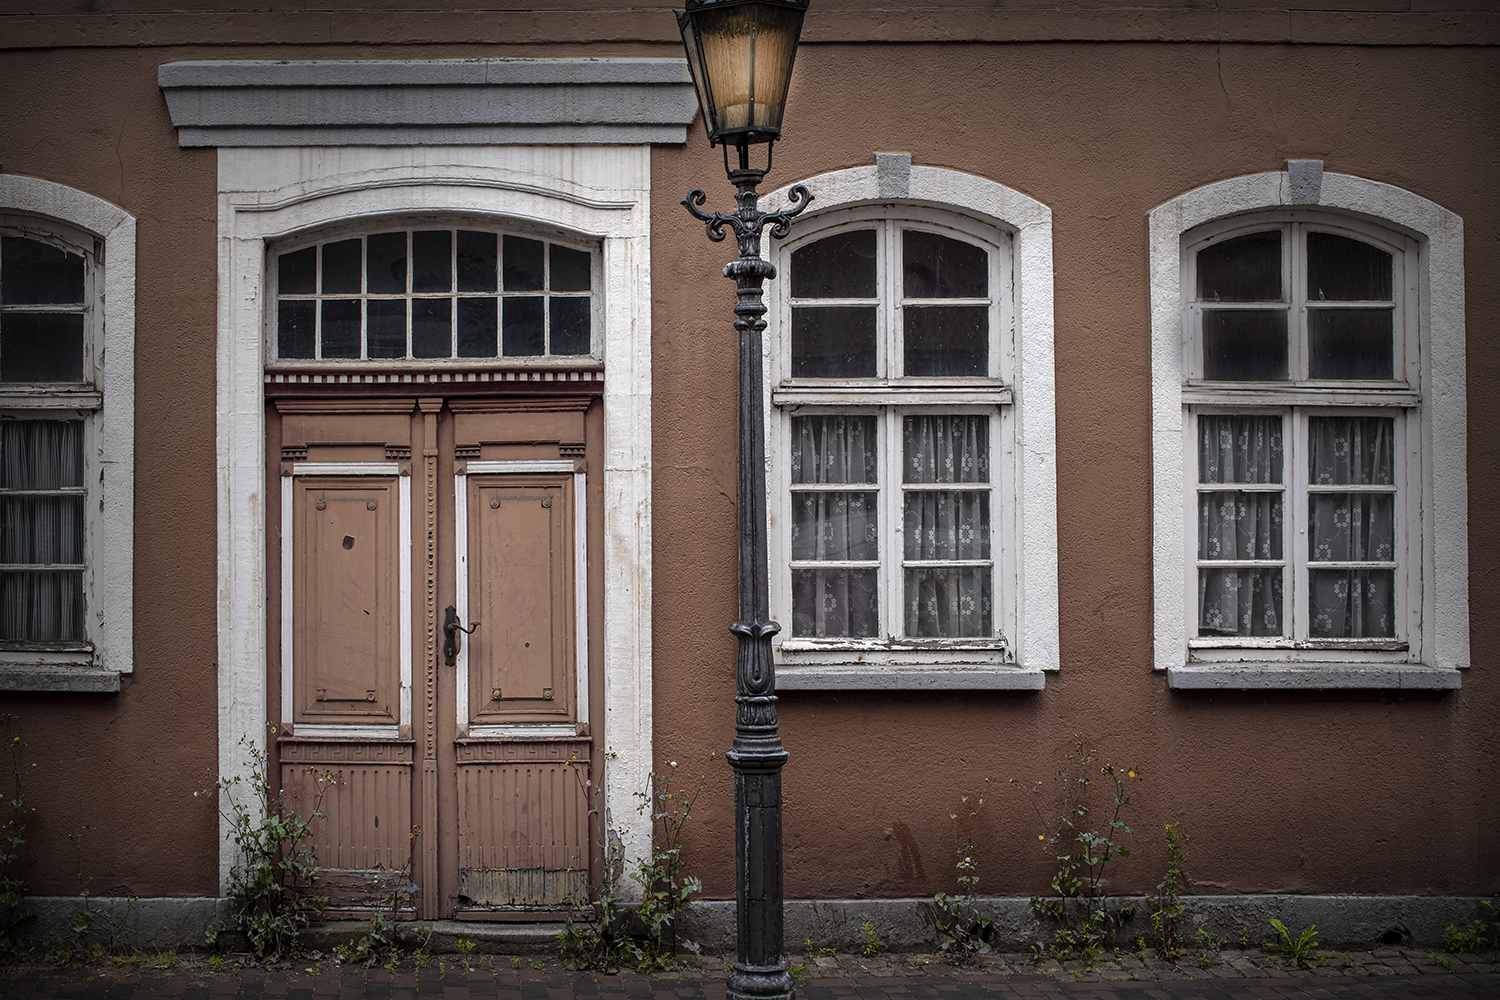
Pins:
<point x="609" y="933"/>
<point x="963" y="929"/>
<point x="1164" y="905"/>
<point x="1481" y="934"/>
<point x="1082" y="849"/>
<point x="1295" y="949"/>
<point x="272" y="883"/>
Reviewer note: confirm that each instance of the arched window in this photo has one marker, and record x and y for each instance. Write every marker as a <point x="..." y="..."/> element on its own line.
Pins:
<point x="895" y="423"/>
<point x="67" y="294"/>
<point x="1307" y="414"/>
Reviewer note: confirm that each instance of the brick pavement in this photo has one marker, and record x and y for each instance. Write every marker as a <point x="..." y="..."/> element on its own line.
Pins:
<point x="829" y="978"/>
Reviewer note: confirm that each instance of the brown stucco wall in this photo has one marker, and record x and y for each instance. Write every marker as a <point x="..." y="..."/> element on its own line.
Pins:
<point x="1287" y="792"/>
<point x="1307" y="792"/>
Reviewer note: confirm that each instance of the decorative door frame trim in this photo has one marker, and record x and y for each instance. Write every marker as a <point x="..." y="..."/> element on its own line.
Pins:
<point x="599" y="192"/>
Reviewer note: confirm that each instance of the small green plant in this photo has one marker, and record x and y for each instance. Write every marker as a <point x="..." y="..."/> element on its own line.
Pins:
<point x="813" y="951"/>
<point x="869" y="945"/>
<point x="380" y="945"/>
<point x="515" y="961"/>
<point x="963" y="929"/>
<point x="1442" y="961"/>
<point x="1165" y="905"/>
<point x="1296" y="949"/>
<point x="1079" y="905"/>
<point x="608" y="933"/>
<point x="14" y="914"/>
<point x="271" y="884"/>
<point x="1482" y="933"/>
<point x="798" y="973"/>
<point x="465" y="954"/>
<point x="216" y="963"/>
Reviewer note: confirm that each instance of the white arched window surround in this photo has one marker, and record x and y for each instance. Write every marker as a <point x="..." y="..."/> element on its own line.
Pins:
<point x="105" y="235"/>
<point x="1435" y="425"/>
<point x="1017" y="232"/>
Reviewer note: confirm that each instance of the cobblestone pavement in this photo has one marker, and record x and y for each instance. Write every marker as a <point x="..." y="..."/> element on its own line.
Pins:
<point x="1389" y="974"/>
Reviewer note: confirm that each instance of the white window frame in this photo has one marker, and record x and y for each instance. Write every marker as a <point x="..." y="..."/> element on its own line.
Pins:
<point x="1017" y="394"/>
<point x="1425" y="396"/>
<point x="105" y="400"/>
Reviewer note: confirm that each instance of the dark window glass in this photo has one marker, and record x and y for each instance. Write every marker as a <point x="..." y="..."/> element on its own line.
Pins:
<point x="385" y="263"/>
<point x="432" y="328"/>
<point x="945" y="340"/>
<point x="570" y="325"/>
<point x="936" y="267"/>
<point x="36" y="273"/>
<point x="1349" y="343"/>
<point x="476" y="328"/>
<point x="1341" y="269"/>
<point x="833" y="342"/>
<point x="41" y="347"/>
<point x="1244" y="269"/>
<point x="523" y="265"/>
<point x="341" y="267"/>
<point x="297" y="272"/>
<point x="836" y="267"/>
<point x="432" y="261"/>
<point x="521" y="326"/>
<point x="295" y="327"/>
<point x="1244" y="345"/>
<point x="385" y="328"/>
<point x="477" y="261"/>
<point x="340" y="328"/>
<point x="570" y="270"/>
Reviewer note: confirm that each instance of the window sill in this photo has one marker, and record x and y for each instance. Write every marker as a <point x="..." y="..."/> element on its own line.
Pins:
<point x="906" y="677"/>
<point x="57" y="677"/>
<point x="1243" y="676"/>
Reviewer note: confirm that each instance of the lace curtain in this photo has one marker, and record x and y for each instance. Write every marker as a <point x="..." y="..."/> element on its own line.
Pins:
<point x="1240" y="524"/>
<point x="946" y="525"/>
<point x="1344" y="525"/>
<point x="835" y="525"/>
<point x="1352" y="526"/>
<point x="41" y="527"/>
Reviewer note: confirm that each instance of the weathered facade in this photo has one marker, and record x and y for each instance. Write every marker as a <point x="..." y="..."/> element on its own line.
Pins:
<point x="389" y="313"/>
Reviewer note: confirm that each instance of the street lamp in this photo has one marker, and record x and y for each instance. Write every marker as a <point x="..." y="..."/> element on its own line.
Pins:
<point x="740" y="54"/>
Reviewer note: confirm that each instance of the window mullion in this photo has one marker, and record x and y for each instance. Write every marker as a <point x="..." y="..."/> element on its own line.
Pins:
<point x="1295" y="514"/>
<point x="1296" y="298"/>
<point x="893" y="609"/>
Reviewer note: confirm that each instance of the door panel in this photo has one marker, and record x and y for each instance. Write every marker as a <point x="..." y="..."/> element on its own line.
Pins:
<point x="364" y="842"/>
<point x="346" y="636"/>
<point x="522" y="661"/>
<point x="523" y="823"/>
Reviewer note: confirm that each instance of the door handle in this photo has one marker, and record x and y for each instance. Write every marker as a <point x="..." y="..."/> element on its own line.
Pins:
<point x="452" y="627"/>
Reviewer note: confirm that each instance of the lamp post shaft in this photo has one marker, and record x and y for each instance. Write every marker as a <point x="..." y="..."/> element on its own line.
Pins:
<point x="757" y="756"/>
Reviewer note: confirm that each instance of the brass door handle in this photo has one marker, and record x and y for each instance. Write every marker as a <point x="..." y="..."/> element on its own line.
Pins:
<point x="452" y="627"/>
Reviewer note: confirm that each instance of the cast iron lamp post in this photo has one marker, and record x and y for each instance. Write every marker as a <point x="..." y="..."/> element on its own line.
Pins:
<point x="740" y="55"/>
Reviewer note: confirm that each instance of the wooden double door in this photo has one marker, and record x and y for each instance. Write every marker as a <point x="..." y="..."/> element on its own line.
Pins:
<point x="430" y="668"/>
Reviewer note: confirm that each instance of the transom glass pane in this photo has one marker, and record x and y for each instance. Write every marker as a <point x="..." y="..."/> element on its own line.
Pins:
<point x="939" y="267"/>
<point x="1242" y="269"/>
<point x="434" y="293"/>
<point x="1350" y="343"/>
<point x="40" y="345"/>
<point x="1245" y="345"/>
<point x="1346" y="270"/>
<point x="833" y="342"/>
<point x="835" y="267"/>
